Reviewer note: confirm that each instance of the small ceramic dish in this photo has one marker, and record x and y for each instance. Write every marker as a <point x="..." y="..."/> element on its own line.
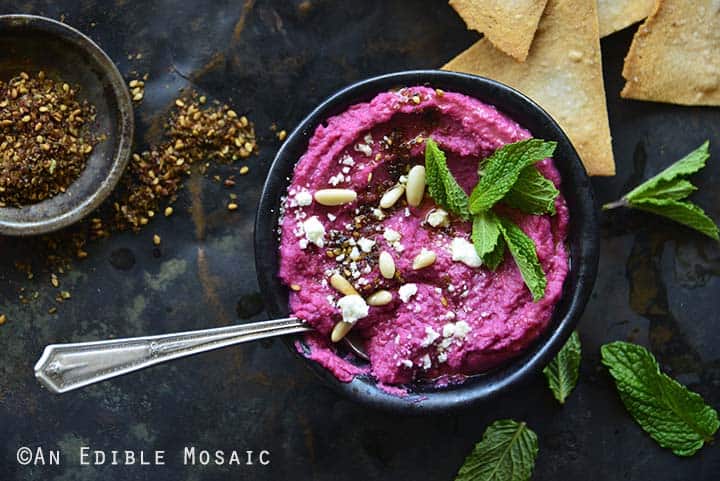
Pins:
<point x="30" y="43"/>
<point x="582" y="240"/>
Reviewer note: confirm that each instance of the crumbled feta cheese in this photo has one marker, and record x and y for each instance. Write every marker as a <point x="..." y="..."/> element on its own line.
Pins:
<point x="364" y="148"/>
<point x="437" y="217"/>
<point x="391" y="235"/>
<point x="366" y="244"/>
<point x="442" y="357"/>
<point x="303" y="243"/>
<point x="303" y="198"/>
<point x="462" y="329"/>
<point x="353" y="307"/>
<point x="355" y="254"/>
<point x="406" y="362"/>
<point x="448" y="330"/>
<point x="345" y="170"/>
<point x="431" y="335"/>
<point x="426" y="363"/>
<point x="314" y="231"/>
<point x="347" y="160"/>
<point x="378" y="213"/>
<point x="331" y="217"/>
<point x="336" y="179"/>
<point x="368" y="139"/>
<point x="464" y="251"/>
<point x="406" y="291"/>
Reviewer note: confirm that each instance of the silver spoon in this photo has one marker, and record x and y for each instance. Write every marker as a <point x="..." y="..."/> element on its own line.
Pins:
<point x="64" y="367"/>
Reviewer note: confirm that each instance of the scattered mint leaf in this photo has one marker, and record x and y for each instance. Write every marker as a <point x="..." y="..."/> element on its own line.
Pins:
<point x="506" y="452"/>
<point x="663" y="193"/>
<point x="523" y="251"/>
<point x="502" y="169"/>
<point x="485" y="233"/>
<point x="441" y="184"/>
<point x="676" y="189"/>
<point x="533" y="193"/>
<point x="562" y="372"/>
<point x="691" y="163"/>
<point x="682" y="212"/>
<point x="675" y="417"/>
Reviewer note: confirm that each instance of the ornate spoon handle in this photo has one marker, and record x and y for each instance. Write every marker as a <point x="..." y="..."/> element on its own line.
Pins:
<point x="64" y="367"/>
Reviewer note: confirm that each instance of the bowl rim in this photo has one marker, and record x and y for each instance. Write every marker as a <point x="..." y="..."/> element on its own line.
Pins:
<point x="583" y="217"/>
<point x="126" y="123"/>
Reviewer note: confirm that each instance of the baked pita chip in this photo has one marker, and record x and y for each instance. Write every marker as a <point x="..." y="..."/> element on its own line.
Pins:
<point x="614" y="15"/>
<point x="563" y="73"/>
<point x="509" y="25"/>
<point x="675" y="55"/>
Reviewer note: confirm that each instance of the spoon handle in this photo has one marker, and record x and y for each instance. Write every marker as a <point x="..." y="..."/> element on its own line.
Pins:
<point x="64" y="367"/>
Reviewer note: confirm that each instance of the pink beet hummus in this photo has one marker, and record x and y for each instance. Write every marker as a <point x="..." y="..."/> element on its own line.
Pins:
<point x="446" y="321"/>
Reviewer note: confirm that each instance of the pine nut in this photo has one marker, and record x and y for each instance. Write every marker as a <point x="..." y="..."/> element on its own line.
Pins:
<point x="387" y="265"/>
<point x="415" y="190"/>
<point x="342" y="285"/>
<point x="340" y="330"/>
<point x="424" y="259"/>
<point x="332" y="197"/>
<point x="391" y="196"/>
<point x="380" y="298"/>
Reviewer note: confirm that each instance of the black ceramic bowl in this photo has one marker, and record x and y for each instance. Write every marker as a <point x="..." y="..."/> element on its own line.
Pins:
<point x="582" y="238"/>
<point x="29" y="43"/>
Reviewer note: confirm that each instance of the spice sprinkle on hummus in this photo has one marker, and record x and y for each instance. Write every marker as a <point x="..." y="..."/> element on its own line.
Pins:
<point x="364" y="247"/>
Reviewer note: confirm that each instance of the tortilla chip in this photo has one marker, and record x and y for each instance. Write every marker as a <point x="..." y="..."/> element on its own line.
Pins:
<point x="510" y="26"/>
<point x="563" y="73"/>
<point x="675" y="55"/>
<point x="614" y="15"/>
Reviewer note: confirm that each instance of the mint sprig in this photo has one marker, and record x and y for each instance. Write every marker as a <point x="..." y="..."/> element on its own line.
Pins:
<point x="502" y="169"/>
<point x="563" y="371"/>
<point x="508" y="176"/>
<point x="507" y="452"/>
<point x="441" y="184"/>
<point x="523" y="251"/>
<point x="665" y="194"/>
<point x="674" y="416"/>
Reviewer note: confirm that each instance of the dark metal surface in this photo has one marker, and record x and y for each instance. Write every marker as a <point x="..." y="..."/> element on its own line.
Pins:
<point x="657" y="283"/>
<point x="29" y="43"/>
<point x="583" y="238"/>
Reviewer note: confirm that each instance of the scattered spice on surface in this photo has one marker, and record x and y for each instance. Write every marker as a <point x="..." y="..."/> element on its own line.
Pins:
<point x="198" y="133"/>
<point x="46" y="132"/>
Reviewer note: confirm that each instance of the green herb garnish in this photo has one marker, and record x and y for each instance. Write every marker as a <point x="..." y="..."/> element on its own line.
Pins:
<point x="672" y="415"/>
<point x="562" y="372"/>
<point x="506" y="452"/>
<point x="441" y="184"/>
<point x="507" y="176"/>
<point x="664" y="193"/>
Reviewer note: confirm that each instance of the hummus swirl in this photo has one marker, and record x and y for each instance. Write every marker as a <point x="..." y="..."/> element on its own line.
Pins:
<point x="449" y="319"/>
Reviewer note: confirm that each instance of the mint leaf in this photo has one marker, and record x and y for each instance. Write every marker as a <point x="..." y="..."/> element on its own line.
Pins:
<point x="533" y="193"/>
<point x="691" y="163"/>
<point x="663" y="193"/>
<point x="441" y="184"/>
<point x="562" y="372"/>
<point x="675" y="417"/>
<point x="682" y="212"/>
<point x="676" y="189"/>
<point x="502" y="169"/>
<point x="485" y="233"/>
<point x="493" y="259"/>
<point x="523" y="251"/>
<point x="506" y="452"/>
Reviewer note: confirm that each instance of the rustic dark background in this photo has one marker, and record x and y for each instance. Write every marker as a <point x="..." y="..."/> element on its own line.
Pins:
<point x="658" y="283"/>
